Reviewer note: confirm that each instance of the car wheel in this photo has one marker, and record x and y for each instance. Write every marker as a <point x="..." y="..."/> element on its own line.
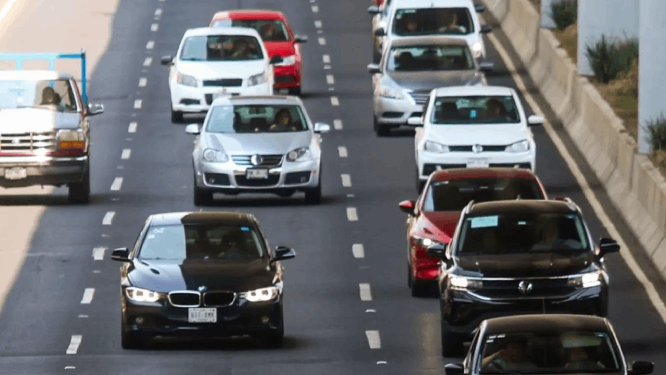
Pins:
<point x="177" y="117"/>
<point x="202" y="197"/>
<point x="419" y="288"/>
<point x="409" y="276"/>
<point x="313" y="196"/>
<point x="79" y="192"/>
<point x="452" y="344"/>
<point x="381" y="130"/>
<point x="295" y="91"/>
<point x="132" y="340"/>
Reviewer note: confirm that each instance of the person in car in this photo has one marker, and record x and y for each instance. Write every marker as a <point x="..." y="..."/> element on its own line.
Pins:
<point x="51" y="99"/>
<point x="241" y="50"/>
<point x="579" y="360"/>
<point x="283" y="121"/>
<point x="496" y="111"/>
<point x="233" y="246"/>
<point x="511" y="358"/>
<point x="551" y="238"/>
<point x="448" y="23"/>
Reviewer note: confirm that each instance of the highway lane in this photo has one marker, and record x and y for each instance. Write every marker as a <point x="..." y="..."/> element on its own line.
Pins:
<point x="326" y="320"/>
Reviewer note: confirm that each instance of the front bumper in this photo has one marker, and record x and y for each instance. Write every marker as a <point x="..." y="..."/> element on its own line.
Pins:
<point x="429" y="162"/>
<point x="44" y="170"/>
<point x="287" y="77"/>
<point x="395" y="111"/>
<point x="198" y="99"/>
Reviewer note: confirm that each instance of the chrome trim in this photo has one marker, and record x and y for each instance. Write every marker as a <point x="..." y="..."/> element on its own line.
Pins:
<point x="203" y="298"/>
<point x="508" y="299"/>
<point x="523" y="278"/>
<point x="184" y="292"/>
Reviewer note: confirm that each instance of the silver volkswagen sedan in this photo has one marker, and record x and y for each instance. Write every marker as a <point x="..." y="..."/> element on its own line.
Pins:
<point x="257" y="144"/>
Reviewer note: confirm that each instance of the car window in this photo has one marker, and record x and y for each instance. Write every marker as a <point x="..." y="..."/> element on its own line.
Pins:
<point x="54" y="95"/>
<point x="221" y="48"/>
<point x="256" y="118"/>
<point x="454" y="195"/>
<point x="474" y="110"/>
<point x="270" y="30"/>
<point x="199" y="241"/>
<point x="516" y="233"/>
<point x="549" y="352"/>
<point x="432" y="58"/>
<point x="432" y="21"/>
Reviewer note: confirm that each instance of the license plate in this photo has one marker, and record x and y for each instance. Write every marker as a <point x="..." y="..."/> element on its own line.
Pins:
<point x="15" y="173"/>
<point x="221" y="94"/>
<point x="202" y="315"/>
<point x="256" y="174"/>
<point x="477" y="163"/>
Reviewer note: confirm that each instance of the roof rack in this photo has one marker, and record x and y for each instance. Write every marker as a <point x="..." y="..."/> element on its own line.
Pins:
<point x="51" y="58"/>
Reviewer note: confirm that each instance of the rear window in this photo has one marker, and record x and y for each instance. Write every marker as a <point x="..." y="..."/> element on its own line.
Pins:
<point x="433" y="21"/>
<point x="270" y="30"/>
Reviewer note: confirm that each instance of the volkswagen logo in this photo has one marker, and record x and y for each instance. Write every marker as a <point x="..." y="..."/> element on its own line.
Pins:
<point x="477" y="148"/>
<point x="256" y="160"/>
<point x="201" y="289"/>
<point x="524" y="287"/>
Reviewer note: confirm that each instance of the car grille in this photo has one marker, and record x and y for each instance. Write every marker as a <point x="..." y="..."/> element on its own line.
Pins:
<point x="510" y="165"/>
<point x="219" y="298"/>
<point x="420" y="97"/>
<point x="227" y="82"/>
<point x="22" y="143"/>
<point x="485" y="148"/>
<point x="541" y="288"/>
<point x="267" y="160"/>
<point x="209" y="98"/>
<point x="185" y="299"/>
<point x="272" y="180"/>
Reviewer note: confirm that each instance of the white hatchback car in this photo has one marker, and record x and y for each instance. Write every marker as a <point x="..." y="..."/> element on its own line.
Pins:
<point x="473" y="126"/>
<point x="217" y="62"/>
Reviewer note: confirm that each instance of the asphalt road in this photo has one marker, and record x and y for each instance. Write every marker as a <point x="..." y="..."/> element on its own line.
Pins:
<point x="327" y="323"/>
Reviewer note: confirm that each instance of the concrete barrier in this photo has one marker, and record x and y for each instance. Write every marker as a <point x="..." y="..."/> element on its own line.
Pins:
<point x="633" y="183"/>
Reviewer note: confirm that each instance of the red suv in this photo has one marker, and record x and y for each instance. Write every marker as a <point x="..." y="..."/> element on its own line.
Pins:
<point x="434" y="216"/>
<point x="278" y="39"/>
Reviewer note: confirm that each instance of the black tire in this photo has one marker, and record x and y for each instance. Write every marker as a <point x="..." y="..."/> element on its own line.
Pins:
<point x="202" y="197"/>
<point x="381" y="130"/>
<point x="419" y="288"/>
<point x="295" y="91"/>
<point x="313" y="196"/>
<point x="79" y="192"/>
<point x="177" y="117"/>
<point x="132" y="340"/>
<point x="409" y="276"/>
<point x="452" y="344"/>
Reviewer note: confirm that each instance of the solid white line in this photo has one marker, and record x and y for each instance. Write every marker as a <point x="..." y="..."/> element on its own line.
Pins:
<point x="315" y="9"/>
<point x="74" y="344"/>
<point x="351" y="214"/>
<point x="98" y="253"/>
<point x="318" y="24"/>
<point x="326" y="58"/>
<point x="132" y="127"/>
<point x="6" y="8"/>
<point x="137" y="104"/>
<point x="337" y="124"/>
<point x="143" y="81"/>
<point x="334" y="101"/>
<point x="126" y="153"/>
<point x="342" y="150"/>
<point x="158" y="11"/>
<point x="147" y="61"/>
<point x="358" y="251"/>
<point x="154" y="27"/>
<point x="322" y="41"/>
<point x="117" y="183"/>
<point x="150" y="44"/>
<point x="108" y="218"/>
<point x="87" y="296"/>
<point x="329" y="79"/>
<point x="585" y="187"/>
<point x="364" y="291"/>
<point x="346" y="180"/>
<point x="373" y="339"/>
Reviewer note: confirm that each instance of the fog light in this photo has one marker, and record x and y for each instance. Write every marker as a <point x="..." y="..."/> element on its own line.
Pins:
<point x="139" y="320"/>
<point x="265" y="320"/>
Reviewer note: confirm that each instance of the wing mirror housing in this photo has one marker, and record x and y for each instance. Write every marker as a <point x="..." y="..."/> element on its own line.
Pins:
<point x="120" y="254"/>
<point x="535" y="120"/>
<point x="415" y="121"/>
<point x="380" y="32"/>
<point x="373" y="68"/>
<point x="320" y="127"/>
<point x="283" y="253"/>
<point x="192" y="129"/>
<point x="641" y="368"/>
<point x="95" y="109"/>
<point x="487" y="66"/>
<point x="453" y="369"/>
<point x="276" y="60"/>
<point x="166" y="60"/>
<point x="374" y="9"/>
<point x="300" y="39"/>
<point x="485" y="29"/>
<point x="607" y="246"/>
<point x="407" y="206"/>
<point x="479" y="8"/>
<point x="437" y="250"/>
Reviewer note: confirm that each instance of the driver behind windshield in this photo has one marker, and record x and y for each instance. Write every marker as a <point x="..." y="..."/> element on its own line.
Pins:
<point x="579" y="360"/>
<point x="51" y="98"/>
<point x="283" y="121"/>
<point x="511" y="358"/>
<point x="552" y="238"/>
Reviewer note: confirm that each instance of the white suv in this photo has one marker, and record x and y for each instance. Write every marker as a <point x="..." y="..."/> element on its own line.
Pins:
<point x="473" y="126"/>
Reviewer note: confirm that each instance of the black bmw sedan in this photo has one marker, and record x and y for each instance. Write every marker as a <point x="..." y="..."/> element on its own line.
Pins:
<point x="201" y="273"/>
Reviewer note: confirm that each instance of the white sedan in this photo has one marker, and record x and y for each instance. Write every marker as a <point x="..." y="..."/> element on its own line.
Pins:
<point x="473" y="126"/>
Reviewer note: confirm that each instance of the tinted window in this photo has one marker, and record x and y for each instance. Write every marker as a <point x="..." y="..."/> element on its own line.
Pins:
<point x="213" y="242"/>
<point x="522" y="233"/>
<point x="221" y="48"/>
<point x="461" y="110"/>
<point x="454" y="195"/>
<point x="420" y="58"/>
<point x="430" y="21"/>
<point x="270" y="30"/>
<point x="256" y="119"/>
<point x="53" y="95"/>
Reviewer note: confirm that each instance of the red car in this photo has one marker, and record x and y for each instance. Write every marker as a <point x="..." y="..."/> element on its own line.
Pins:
<point x="278" y="38"/>
<point x="434" y="216"/>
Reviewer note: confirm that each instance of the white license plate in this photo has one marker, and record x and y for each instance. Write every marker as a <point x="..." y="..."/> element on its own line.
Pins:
<point x="477" y="163"/>
<point x="256" y="174"/>
<point x="202" y="315"/>
<point x="15" y="173"/>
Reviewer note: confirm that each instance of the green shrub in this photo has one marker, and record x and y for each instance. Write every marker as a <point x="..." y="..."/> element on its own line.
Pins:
<point x="627" y="52"/>
<point x="657" y="133"/>
<point x="608" y="57"/>
<point x="564" y="13"/>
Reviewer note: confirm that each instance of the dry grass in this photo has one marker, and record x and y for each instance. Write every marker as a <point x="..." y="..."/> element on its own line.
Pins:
<point x="569" y="40"/>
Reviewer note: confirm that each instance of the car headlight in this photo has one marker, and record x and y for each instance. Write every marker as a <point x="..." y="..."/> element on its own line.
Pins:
<point x="586" y="280"/>
<point x="261" y="295"/>
<point x="299" y="153"/>
<point x="435" y="147"/>
<point x="214" y="156"/>
<point x="71" y="138"/>
<point x="387" y="92"/>
<point x="425" y="242"/>
<point x="288" y="60"/>
<point x="142" y="295"/>
<point x="464" y="283"/>
<point x="257" y="79"/>
<point x="521" y="146"/>
<point x="186" y="80"/>
<point x="477" y="49"/>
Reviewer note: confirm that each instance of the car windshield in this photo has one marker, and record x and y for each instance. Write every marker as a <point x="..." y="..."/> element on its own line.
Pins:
<point x="549" y="352"/>
<point x="198" y="241"/>
<point x="475" y="110"/>
<point x="453" y="195"/>
<point x="432" y="21"/>
<point x="421" y="58"/>
<point x="53" y="95"/>
<point x="221" y="48"/>
<point x="270" y="30"/>
<point x="256" y="118"/>
<point x="521" y="233"/>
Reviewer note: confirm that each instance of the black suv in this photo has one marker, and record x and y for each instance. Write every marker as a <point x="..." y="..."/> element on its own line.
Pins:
<point x="518" y="257"/>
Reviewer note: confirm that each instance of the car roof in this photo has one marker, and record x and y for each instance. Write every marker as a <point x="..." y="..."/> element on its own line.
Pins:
<point x="428" y="40"/>
<point x="260" y="99"/>
<point x="249" y="14"/>
<point x="400" y="4"/>
<point x="468" y="173"/>
<point x="175" y="218"/>
<point x="545" y="323"/>
<point x="523" y="206"/>
<point x="33" y="75"/>
<point x="207" y="31"/>
<point x="473" y="90"/>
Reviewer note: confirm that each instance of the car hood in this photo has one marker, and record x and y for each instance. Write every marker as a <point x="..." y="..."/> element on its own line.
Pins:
<point x="527" y="265"/>
<point x="441" y="224"/>
<point x="428" y="80"/>
<point x="165" y="276"/>
<point x="263" y="143"/>
<point x="36" y="120"/>
<point x="223" y="69"/>
<point x="282" y="49"/>
<point x="453" y="135"/>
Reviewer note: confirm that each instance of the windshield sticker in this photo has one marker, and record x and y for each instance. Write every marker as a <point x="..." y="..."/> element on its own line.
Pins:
<point x="522" y="223"/>
<point x="245" y="229"/>
<point x="485" y="221"/>
<point x="472" y="113"/>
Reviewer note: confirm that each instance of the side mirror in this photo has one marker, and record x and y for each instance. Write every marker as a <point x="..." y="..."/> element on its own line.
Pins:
<point x="485" y="29"/>
<point x="479" y="8"/>
<point x="276" y="60"/>
<point x="436" y="250"/>
<point x="166" y="60"/>
<point x="534" y="120"/>
<point x="487" y="66"/>
<point x="192" y="129"/>
<point x="320" y="127"/>
<point x="641" y="368"/>
<point x="453" y="369"/>
<point x="380" y="32"/>
<point x="95" y="109"/>
<point x="407" y="206"/>
<point x="300" y="39"/>
<point x="607" y="246"/>
<point x="121" y="254"/>
<point x="283" y="253"/>
<point x="415" y="121"/>
<point x="373" y="68"/>
<point x="374" y="9"/>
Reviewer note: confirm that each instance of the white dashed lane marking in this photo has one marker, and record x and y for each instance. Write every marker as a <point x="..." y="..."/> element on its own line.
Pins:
<point x="322" y="41"/>
<point x="329" y="79"/>
<point x="132" y="127"/>
<point x="147" y="61"/>
<point x="351" y="214"/>
<point x="374" y="340"/>
<point x="108" y="218"/>
<point x="364" y="291"/>
<point x="318" y="24"/>
<point x="74" y="344"/>
<point x="342" y="150"/>
<point x="334" y="101"/>
<point x="154" y="27"/>
<point x="326" y="67"/>
<point x="158" y="11"/>
<point x="326" y="59"/>
<point x="150" y="44"/>
<point x="346" y="180"/>
<point x="138" y="103"/>
<point x="126" y="154"/>
<point x="143" y="81"/>
<point x="315" y="9"/>
<point x="337" y="124"/>
<point x="117" y="184"/>
<point x="98" y="253"/>
<point x="87" y="296"/>
<point x="358" y="251"/>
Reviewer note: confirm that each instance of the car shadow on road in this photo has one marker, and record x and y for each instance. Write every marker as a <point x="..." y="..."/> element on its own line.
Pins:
<point x="34" y="200"/>
<point x="235" y="344"/>
<point x="400" y="133"/>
